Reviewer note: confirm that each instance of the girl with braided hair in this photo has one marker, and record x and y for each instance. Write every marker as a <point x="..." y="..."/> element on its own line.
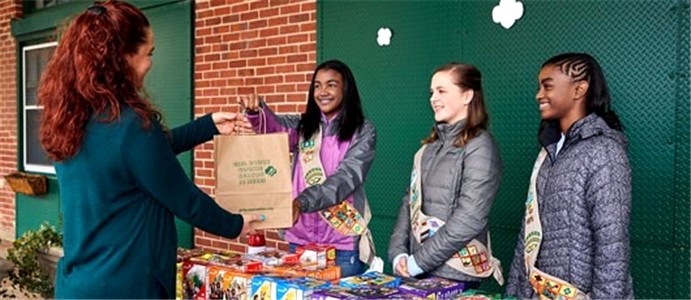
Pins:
<point x="574" y="239"/>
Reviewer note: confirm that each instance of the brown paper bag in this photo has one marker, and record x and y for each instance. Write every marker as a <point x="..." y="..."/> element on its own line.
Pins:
<point x="253" y="176"/>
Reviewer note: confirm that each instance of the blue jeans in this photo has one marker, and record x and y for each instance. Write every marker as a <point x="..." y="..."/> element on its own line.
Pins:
<point x="349" y="261"/>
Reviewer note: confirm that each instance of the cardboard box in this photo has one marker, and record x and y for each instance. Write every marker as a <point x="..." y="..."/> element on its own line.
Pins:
<point x="363" y="292"/>
<point x="228" y="284"/>
<point x="432" y="288"/>
<point x="370" y="278"/>
<point x="274" y="257"/>
<point x="298" y="288"/>
<point x="316" y="256"/>
<point x="194" y="278"/>
<point x="330" y="273"/>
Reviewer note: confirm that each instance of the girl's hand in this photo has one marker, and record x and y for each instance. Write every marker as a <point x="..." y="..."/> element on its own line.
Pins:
<point x="249" y="103"/>
<point x="231" y="123"/>
<point x="402" y="267"/>
<point x="296" y="211"/>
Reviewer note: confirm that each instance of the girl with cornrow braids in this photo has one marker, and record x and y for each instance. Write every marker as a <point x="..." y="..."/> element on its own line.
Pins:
<point x="574" y="238"/>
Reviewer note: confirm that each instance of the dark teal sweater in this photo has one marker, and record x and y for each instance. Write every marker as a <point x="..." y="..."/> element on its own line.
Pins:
<point x="119" y="196"/>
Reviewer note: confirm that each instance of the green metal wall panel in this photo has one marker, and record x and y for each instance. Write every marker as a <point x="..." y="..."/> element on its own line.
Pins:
<point x="643" y="47"/>
<point x="34" y="211"/>
<point x="393" y="82"/>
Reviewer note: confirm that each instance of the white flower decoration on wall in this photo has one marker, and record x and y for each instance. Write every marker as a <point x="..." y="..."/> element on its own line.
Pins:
<point x="384" y="36"/>
<point x="507" y="12"/>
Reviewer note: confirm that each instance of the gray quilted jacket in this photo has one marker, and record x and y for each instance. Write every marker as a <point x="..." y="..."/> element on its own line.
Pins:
<point x="584" y="196"/>
<point x="458" y="187"/>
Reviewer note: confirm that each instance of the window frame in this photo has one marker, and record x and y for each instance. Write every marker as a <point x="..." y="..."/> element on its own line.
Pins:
<point x="30" y="167"/>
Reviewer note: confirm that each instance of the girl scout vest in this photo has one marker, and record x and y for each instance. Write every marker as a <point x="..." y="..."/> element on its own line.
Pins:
<point x="342" y="217"/>
<point x="474" y="258"/>
<point x="546" y="286"/>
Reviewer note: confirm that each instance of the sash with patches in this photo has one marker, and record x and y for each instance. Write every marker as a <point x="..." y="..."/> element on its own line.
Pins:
<point x="474" y="258"/>
<point x="546" y="286"/>
<point x="342" y="217"/>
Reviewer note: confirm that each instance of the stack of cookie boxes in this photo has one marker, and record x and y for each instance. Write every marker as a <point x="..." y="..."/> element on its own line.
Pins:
<point x="273" y="274"/>
<point x="376" y="285"/>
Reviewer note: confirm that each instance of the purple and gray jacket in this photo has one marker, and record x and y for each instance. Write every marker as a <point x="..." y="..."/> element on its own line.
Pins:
<point x="346" y="164"/>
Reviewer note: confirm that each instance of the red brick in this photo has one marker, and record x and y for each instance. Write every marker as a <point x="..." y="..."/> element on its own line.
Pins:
<point x="289" y="9"/>
<point x="258" y="24"/>
<point x="249" y="16"/>
<point x="288" y="49"/>
<point x="241" y="8"/>
<point x="299" y="18"/>
<point x="297" y="58"/>
<point x="259" y="4"/>
<point x="249" y="34"/>
<point x="273" y="79"/>
<point x="248" y="53"/>
<point x="212" y="22"/>
<point x="300" y="38"/>
<point x="310" y="6"/>
<point x="257" y="44"/>
<point x="231" y="19"/>
<point x="222" y="11"/>
<point x="257" y="62"/>
<point x="268" y="32"/>
<point x="268" y="51"/>
<point x="266" y="70"/>
<point x="295" y="78"/>
<point x="268" y="12"/>
<point x="288" y="29"/>
<point x="217" y="2"/>
<point x="279" y="40"/>
<point x="262" y="90"/>
<point x="278" y="21"/>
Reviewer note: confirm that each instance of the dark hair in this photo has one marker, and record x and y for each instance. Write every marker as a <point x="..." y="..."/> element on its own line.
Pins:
<point x="466" y="77"/>
<point x="581" y="66"/>
<point x="89" y="75"/>
<point x="351" y="116"/>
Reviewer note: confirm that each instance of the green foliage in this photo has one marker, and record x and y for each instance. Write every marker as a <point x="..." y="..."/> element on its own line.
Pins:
<point x="28" y="274"/>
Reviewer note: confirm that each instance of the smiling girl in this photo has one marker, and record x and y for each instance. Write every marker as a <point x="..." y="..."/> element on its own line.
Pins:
<point x="333" y="147"/>
<point x="443" y="221"/>
<point x="574" y="242"/>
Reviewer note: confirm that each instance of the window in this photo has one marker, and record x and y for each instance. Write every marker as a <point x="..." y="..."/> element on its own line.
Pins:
<point x="34" y="5"/>
<point x="34" y="58"/>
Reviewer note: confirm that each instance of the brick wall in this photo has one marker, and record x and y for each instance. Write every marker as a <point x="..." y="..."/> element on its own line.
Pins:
<point x="9" y="9"/>
<point x="266" y="47"/>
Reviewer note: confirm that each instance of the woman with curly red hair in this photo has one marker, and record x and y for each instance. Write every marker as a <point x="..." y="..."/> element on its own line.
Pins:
<point x="120" y="183"/>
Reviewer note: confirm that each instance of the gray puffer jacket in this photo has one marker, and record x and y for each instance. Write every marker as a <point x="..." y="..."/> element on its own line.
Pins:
<point x="458" y="187"/>
<point x="584" y="196"/>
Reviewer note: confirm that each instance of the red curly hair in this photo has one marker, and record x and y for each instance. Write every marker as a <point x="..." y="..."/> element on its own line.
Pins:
<point x="89" y="76"/>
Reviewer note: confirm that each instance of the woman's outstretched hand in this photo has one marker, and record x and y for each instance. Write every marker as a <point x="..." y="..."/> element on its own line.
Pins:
<point x="232" y="123"/>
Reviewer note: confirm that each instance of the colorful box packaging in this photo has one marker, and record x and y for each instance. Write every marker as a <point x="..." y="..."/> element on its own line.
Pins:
<point x="432" y="288"/>
<point x="330" y="273"/>
<point x="315" y="256"/>
<point x="194" y="278"/>
<point x="227" y="283"/>
<point x="298" y="288"/>
<point x="332" y="293"/>
<point x="263" y="288"/>
<point x="370" y="278"/>
<point x="274" y="257"/>
<point x="242" y="264"/>
<point x="362" y="292"/>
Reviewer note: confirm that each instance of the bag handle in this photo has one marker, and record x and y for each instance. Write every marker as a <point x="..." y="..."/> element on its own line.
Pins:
<point x="262" y="115"/>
